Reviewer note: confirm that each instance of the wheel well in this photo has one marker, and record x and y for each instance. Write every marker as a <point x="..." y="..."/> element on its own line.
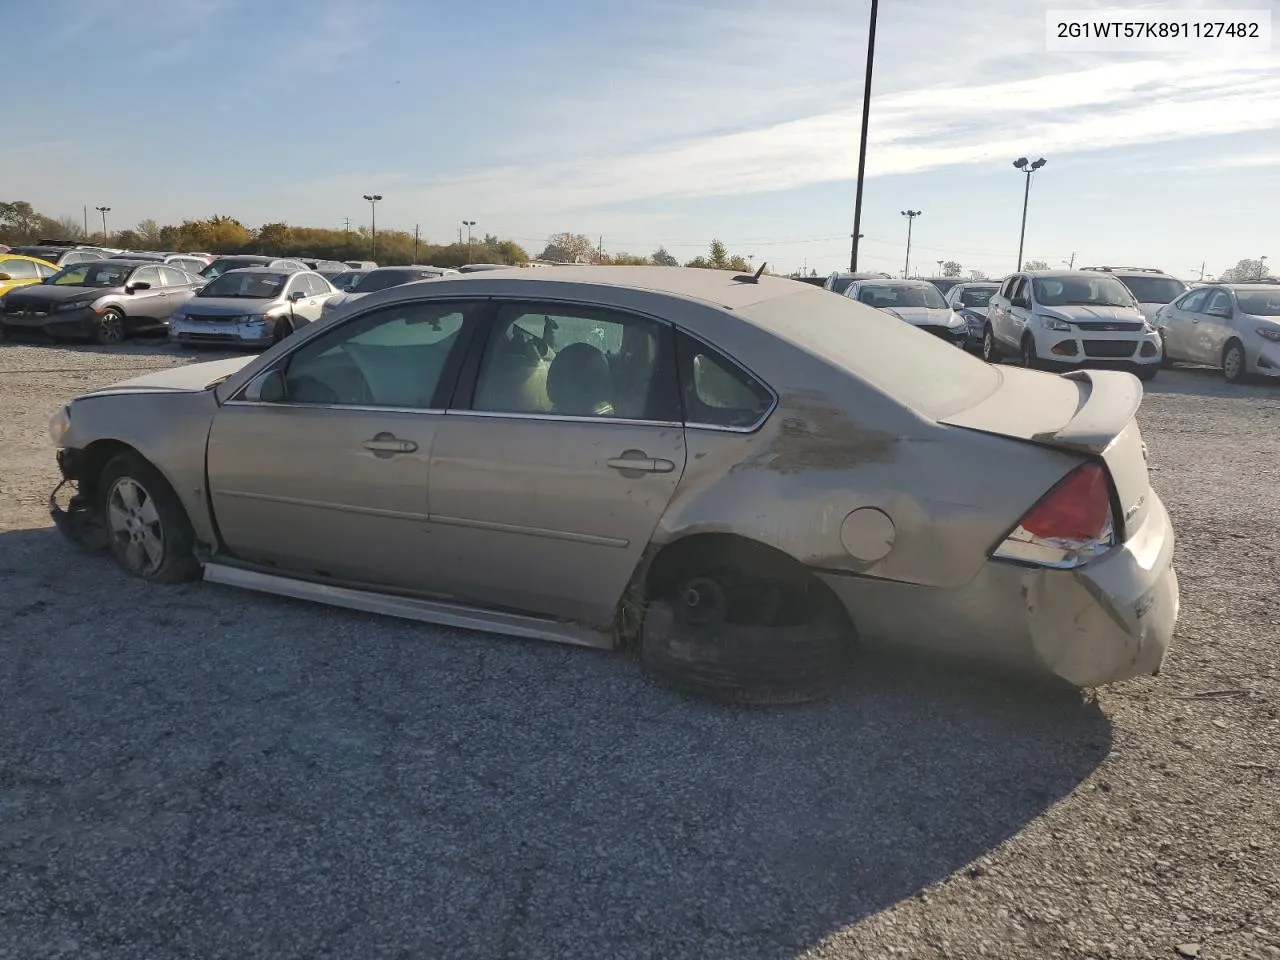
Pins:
<point x="750" y="570"/>
<point x="94" y="459"/>
<point x="1227" y="346"/>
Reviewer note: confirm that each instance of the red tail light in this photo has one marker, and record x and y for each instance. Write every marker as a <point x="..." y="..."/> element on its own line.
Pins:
<point x="1069" y="525"/>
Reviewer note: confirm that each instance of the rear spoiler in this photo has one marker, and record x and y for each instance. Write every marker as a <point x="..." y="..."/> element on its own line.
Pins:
<point x="1110" y="404"/>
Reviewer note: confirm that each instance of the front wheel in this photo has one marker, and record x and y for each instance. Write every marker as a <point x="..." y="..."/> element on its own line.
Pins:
<point x="147" y="527"/>
<point x="1148" y="373"/>
<point x="1234" y="367"/>
<point x="109" y="328"/>
<point x="1029" y="358"/>
<point x="280" y="330"/>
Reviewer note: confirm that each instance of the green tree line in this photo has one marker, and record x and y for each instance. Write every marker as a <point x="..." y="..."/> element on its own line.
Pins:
<point x="20" y="223"/>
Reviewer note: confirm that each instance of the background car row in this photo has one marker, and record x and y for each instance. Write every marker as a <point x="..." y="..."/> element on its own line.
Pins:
<point x="1134" y="318"/>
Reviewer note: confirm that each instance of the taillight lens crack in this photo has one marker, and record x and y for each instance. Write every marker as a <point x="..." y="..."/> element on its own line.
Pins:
<point x="1069" y="526"/>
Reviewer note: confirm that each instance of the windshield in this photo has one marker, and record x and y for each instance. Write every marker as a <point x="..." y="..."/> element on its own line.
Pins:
<point x="246" y="285"/>
<point x="1260" y="303"/>
<point x="889" y="295"/>
<point x="1081" y="292"/>
<point x="1154" y="289"/>
<point x="99" y="273"/>
<point x="219" y="267"/>
<point x="346" y="280"/>
<point x="381" y="279"/>
<point x="977" y="296"/>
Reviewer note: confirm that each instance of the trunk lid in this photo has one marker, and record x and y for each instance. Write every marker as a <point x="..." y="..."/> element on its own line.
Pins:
<point x="1086" y="411"/>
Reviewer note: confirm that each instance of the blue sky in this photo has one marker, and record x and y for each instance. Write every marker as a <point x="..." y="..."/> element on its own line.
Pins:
<point x="668" y="122"/>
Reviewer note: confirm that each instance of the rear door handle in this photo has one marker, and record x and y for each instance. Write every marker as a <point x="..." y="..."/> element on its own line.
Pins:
<point x="641" y="464"/>
<point x="387" y="444"/>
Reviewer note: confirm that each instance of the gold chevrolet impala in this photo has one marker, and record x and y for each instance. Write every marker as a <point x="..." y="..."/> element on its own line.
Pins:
<point x="741" y="476"/>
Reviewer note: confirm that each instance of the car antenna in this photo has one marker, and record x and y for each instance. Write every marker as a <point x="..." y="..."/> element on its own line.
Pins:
<point x="752" y="277"/>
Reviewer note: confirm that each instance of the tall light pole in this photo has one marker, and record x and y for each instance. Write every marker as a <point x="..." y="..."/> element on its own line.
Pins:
<point x="1262" y="266"/>
<point x="911" y="219"/>
<point x="104" y="211"/>
<point x="373" y="199"/>
<point x="939" y="262"/>
<point x="1027" y="168"/>
<point x="862" y="143"/>
<point x="468" y="224"/>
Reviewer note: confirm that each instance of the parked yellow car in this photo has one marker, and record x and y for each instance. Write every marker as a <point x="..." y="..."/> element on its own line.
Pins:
<point x="18" y="271"/>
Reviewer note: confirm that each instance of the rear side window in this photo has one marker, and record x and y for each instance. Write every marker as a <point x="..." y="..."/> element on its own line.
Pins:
<point x="717" y="392"/>
<point x="1194" y="302"/>
<point x="173" y="278"/>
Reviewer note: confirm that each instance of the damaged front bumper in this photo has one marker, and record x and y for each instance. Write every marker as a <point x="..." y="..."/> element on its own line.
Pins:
<point x="76" y="516"/>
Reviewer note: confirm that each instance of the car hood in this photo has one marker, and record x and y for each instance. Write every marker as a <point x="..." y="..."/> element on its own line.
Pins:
<point x="228" y="306"/>
<point x="1077" y="313"/>
<point x="922" y="316"/>
<point x="45" y="293"/>
<point x="190" y="378"/>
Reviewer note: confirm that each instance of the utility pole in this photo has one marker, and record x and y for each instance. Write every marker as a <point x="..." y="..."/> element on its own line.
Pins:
<point x="862" y="144"/>
<point x="104" y="211"/>
<point x="1202" y="266"/>
<point x="415" y="243"/>
<point x="1070" y="264"/>
<point x="1262" y="266"/>
<point x="911" y="219"/>
<point x="346" y="226"/>
<point x="86" y="221"/>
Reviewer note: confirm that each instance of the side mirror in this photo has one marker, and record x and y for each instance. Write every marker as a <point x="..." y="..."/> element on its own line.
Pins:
<point x="266" y="387"/>
<point x="4" y="277"/>
<point x="135" y="287"/>
<point x="296" y="295"/>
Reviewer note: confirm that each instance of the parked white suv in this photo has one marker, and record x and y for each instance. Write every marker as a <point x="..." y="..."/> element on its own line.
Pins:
<point x="1067" y="319"/>
<point x="1151" y="288"/>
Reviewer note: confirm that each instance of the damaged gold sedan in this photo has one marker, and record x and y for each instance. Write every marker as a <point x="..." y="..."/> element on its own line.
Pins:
<point x="740" y="476"/>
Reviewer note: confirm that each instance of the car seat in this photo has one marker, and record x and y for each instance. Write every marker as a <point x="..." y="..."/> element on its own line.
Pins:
<point x="580" y="383"/>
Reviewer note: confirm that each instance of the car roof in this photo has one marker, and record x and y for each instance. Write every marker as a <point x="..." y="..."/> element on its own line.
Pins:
<point x="23" y="256"/>
<point x="911" y="281"/>
<point x="1062" y="273"/>
<point x="265" y="268"/>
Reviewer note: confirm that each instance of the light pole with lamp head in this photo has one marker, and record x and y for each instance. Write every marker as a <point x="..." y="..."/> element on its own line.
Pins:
<point x="1262" y="266"/>
<point x="1027" y="168"/>
<point x="862" y="148"/>
<point x="911" y="219"/>
<point x="468" y="224"/>
<point x="104" y="211"/>
<point x="373" y="199"/>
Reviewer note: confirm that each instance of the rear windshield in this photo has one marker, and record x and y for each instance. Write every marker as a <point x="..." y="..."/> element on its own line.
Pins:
<point x="923" y="372"/>
<point x="901" y="295"/>
<point x="219" y="267"/>
<point x="1154" y="289"/>
<point x="381" y="279"/>
<point x="977" y="296"/>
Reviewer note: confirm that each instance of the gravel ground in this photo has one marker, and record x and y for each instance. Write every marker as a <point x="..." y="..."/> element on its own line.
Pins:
<point x="199" y="772"/>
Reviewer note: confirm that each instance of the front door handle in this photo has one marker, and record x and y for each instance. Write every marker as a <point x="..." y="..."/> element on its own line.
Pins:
<point x="388" y="445"/>
<point x="637" y="460"/>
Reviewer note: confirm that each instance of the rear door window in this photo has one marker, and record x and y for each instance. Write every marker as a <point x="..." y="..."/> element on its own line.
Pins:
<point x="19" y="269"/>
<point x="718" y="392"/>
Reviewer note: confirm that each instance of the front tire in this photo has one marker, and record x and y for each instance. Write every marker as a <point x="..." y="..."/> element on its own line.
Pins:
<point x="1234" y="365"/>
<point x="280" y="330"/>
<point x="1148" y="372"/>
<point x="109" y="330"/>
<point x="1028" y="353"/>
<point x="147" y="527"/>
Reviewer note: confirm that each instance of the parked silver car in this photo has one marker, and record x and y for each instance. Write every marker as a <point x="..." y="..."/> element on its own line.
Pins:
<point x="255" y="306"/>
<point x="103" y="300"/>
<point x="736" y="475"/>
<point x="1232" y="326"/>
<point x="383" y="277"/>
<point x="916" y="302"/>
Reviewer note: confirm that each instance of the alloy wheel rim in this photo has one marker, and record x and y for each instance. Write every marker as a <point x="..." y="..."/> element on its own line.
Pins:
<point x="1232" y="363"/>
<point x="111" y="326"/>
<point x="134" y="523"/>
<point x="988" y="346"/>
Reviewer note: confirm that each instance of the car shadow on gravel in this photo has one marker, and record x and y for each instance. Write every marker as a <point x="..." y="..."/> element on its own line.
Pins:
<point x="1206" y="382"/>
<point x="199" y="770"/>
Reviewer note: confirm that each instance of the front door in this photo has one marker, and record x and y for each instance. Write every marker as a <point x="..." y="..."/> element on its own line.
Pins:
<point x="550" y="473"/>
<point x="1181" y="319"/>
<point x="1215" y="327"/>
<point x="331" y="480"/>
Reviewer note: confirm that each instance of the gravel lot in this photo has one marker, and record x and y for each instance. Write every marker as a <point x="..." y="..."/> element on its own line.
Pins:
<point x="199" y="772"/>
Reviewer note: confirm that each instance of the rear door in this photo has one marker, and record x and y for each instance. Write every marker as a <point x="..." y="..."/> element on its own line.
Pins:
<point x="1019" y="313"/>
<point x="552" y="469"/>
<point x="177" y="285"/>
<point x="331" y="481"/>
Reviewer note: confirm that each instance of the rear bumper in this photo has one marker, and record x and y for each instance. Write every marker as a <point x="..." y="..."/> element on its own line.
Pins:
<point x="1109" y="620"/>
